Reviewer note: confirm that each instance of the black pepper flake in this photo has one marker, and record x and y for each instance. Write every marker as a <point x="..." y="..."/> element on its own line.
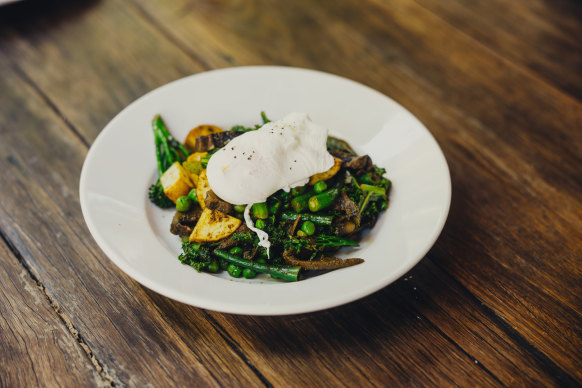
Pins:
<point x="235" y="156"/>
<point x="249" y="158"/>
<point x="232" y="148"/>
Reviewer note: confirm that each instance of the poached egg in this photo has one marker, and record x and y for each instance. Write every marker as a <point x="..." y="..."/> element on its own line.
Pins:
<point x="280" y="155"/>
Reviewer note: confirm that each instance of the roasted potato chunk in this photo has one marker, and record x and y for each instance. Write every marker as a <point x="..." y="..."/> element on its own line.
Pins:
<point x="202" y="188"/>
<point x="213" y="226"/>
<point x="193" y="166"/>
<point x="176" y="182"/>
<point x="323" y="176"/>
<point x="201" y="130"/>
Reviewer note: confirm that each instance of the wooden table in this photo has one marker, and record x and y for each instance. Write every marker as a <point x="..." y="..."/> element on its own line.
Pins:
<point x="496" y="302"/>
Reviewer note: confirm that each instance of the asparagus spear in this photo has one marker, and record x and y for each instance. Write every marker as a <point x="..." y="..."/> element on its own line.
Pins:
<point x="318" y="219"/>
<point x="323" y="200"/>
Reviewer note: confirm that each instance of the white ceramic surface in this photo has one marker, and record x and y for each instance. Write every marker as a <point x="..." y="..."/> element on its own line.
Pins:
<point x="135" y="235"/>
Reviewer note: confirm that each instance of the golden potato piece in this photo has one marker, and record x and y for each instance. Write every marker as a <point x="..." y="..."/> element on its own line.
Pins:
<point x="323" y="176"/>
<point x="202" y="188"/>
<point x="201" y="130"/>
<point x="176" y="182"/>
<point x="213" y="226"/>
<point x="193" y="166"/>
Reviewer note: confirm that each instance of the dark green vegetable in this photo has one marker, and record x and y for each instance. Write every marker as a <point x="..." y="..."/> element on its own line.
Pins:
<point x="320" y="187"/>
<point x="239" y="208"/>
<point x="308" y="228"/>
<point x="192" y="196"/>
<point x="339" y="206"/>
<point x="301" y="202"/>
<point x="298" y="190"/>
<point x="242" y="128"/>
<point x="323" y="200"/>
<point x="248" y="273"/>
<point x="259" y="210"/>
<point x="285" y="273"/>
<point x="234" y="270"/>
<point x="183" y="204"/>
<point x="204" y="160"/>
<point x="157" y="196"/>
<point x="213" y="267"/>
<point x="318" y="219"/>
<point x="236" y="250"/>
<point x="264" y="117"/>
<point x="168" y="151"/>
<point x="196" y="255"/>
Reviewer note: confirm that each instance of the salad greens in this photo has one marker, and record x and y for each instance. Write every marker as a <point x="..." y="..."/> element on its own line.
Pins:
<point x="305" y="225"/>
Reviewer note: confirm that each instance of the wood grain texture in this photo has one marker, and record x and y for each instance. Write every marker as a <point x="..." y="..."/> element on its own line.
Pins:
<point x="36" y="346"/>
<point x="498" y="299"/>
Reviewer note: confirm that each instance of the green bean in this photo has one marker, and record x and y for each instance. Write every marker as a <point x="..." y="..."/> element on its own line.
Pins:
<point x="323" y="200"/>
<point x="301" y="202"/>
<point x="260" y="210"/>
<point x="285" y="273"/>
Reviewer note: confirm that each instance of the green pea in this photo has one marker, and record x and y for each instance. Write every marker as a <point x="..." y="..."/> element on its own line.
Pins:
<point x="320" y="187"/>
<point x="236" y="250"/>
<point x="192" y="196"/>
<point x="183" y="204"/>
<point x="234" y="270"/>
<point x="260" y="224"/>
<point x="213" y="267"/>
<point x="308" y="228"/>
<point x="239" y="208"/>
<point x="248" y="273"/>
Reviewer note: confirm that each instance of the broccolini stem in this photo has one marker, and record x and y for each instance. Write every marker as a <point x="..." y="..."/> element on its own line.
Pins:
<point x="285" y="273"/>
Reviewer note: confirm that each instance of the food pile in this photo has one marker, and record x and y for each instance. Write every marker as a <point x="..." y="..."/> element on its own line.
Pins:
<point x="294" y="229"/>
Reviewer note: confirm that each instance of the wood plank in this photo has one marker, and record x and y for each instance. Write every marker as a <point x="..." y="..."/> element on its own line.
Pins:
<point x="540" y="36"/>
<point x="128" y="336"/>
<point x="510" y="139"/>
<point x="379" y="341"/>
<point x="36" y="346"/>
